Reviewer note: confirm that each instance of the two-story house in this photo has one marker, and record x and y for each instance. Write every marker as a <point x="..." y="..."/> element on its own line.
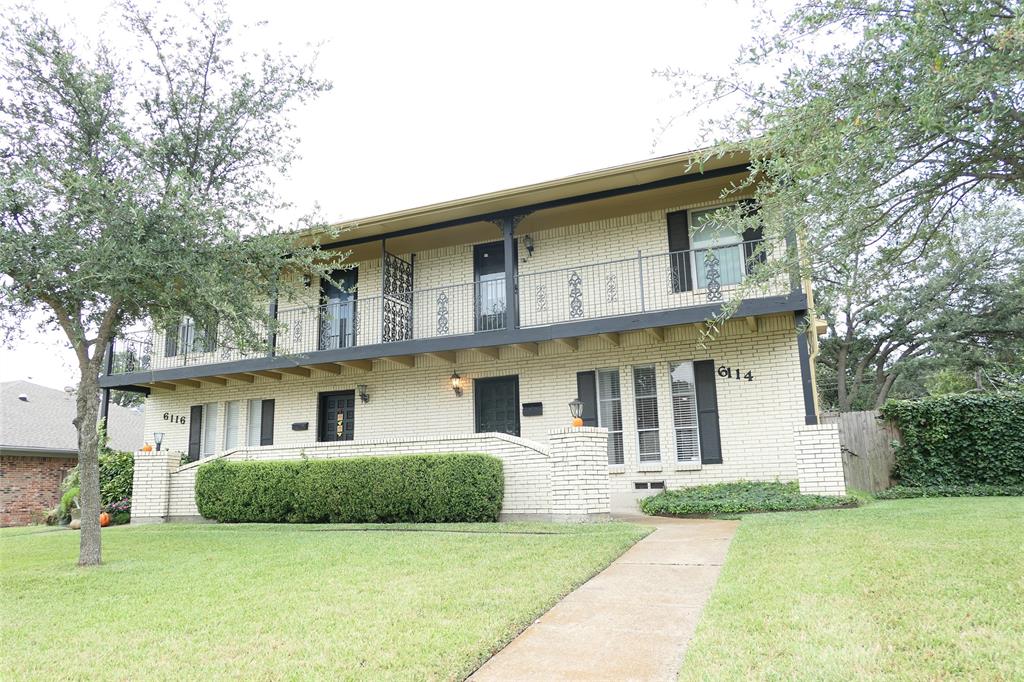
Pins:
<point x="490" y="315"/>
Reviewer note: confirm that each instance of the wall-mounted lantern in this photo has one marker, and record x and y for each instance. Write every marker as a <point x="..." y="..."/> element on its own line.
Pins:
<point x="457" y="384"/>
<point x="528" y="243"/>
<point x="364" y="394"/>
<point x="158" y="438"/>
<point x="576" y="410"/>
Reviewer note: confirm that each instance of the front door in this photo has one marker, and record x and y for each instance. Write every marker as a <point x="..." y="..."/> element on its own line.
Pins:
<point x="497" y="405"/>
<point x="489" y="278"/>
<point x="337" y="416"/>
<point x="338" y="310"/>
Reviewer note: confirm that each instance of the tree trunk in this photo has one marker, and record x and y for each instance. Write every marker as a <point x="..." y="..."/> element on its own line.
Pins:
<point x="883" y="392"/>
<point x="88" y="400"/>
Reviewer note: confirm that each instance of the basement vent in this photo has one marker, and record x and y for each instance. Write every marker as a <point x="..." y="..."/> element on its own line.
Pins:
<point x="649" y="485"/>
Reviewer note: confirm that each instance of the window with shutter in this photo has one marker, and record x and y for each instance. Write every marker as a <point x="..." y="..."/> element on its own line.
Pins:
<point x="707" y="412"/>
<point x="267" y="422"/>
<point x="684" y="412"/>
<point x="609" y="412"/>
<point x="210" y="411"/>
<point x="232" y="420"/>
<point x="645" y="389"/>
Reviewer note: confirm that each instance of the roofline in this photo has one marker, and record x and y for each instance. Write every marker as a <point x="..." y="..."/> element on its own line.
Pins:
<point x="36" y="450"/>
<point x="483" y="204"/>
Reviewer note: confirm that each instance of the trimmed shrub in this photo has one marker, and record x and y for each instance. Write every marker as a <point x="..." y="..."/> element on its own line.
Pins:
<point x="959" y="440"/>
<point x="446" y="487"/>
<point x="901" y="492"/>
<point x="738" y="498"/>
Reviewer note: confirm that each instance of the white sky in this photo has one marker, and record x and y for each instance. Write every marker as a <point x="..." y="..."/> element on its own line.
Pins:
<point x="439" y="100"/>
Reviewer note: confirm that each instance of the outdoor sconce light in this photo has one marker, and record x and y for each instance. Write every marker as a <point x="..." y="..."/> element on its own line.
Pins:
<point x="457" y="384"/>
<point x="158" y="438"/>
<point x="364" y="395"/>
<point x="576" y="410"/>
<point x="528" y="243"/>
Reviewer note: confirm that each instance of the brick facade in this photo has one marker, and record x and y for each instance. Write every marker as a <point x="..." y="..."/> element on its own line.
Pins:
<point x="819" y="460"/>
<point x="565" y="481"/>
<point x="30" y="485"/>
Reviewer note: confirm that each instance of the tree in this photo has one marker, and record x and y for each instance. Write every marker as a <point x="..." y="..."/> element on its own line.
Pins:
<point x="875" y="128"/>
<point x="949" y="302"/>
<point x="139" y="185"/>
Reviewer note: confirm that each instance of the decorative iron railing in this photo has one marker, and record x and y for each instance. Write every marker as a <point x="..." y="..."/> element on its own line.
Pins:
<point x="642" y="283"/>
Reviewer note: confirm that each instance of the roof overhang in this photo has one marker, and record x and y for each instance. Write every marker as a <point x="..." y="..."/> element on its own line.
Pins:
<point x="638" y="176"/>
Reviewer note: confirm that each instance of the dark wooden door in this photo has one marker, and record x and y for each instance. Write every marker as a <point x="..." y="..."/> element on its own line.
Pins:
<point x="489" y="278"/>
<point x="338" y="310"/>
<point x="195" y="432"/>
<point x="497" y="405"/>
<point x="337" y="416"/>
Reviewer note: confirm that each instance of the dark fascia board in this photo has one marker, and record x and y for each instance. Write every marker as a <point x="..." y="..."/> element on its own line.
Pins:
<point x="540" y="206"/>
<point x="662" y="318"/>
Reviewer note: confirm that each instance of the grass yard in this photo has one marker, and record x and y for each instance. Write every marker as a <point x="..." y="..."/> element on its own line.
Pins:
<point x="922" y="589"/>
<point x="272" y="602"/>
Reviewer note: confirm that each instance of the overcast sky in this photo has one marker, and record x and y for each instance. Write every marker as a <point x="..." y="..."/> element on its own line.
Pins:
<point x="439" y="100"/>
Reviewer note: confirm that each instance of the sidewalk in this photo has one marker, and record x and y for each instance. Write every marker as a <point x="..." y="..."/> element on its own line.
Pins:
<point x="632" y="621"/>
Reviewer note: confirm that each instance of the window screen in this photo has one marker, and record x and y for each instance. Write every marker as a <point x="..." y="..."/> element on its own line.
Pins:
<point x="684" y="412"/>
<point x="645" y="389"/>
<point x="232" y="420"/>
<point x="255" y="422"/>
<point x="609" y="412"/>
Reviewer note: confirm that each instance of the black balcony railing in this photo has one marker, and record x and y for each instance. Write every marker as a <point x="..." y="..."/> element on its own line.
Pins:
<point x="643" y="283"/>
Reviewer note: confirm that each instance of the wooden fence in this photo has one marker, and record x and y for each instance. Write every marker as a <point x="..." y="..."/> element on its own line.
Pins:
<point x="866" y="441"/>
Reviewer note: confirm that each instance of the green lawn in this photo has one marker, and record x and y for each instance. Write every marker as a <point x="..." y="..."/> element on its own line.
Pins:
<point x="913" y="589"/>
<point x="274" y="602"/>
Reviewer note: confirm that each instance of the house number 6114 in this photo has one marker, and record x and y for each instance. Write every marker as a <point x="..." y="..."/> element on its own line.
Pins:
<point x="174" y="418"/>
<point x="727" y="372"/>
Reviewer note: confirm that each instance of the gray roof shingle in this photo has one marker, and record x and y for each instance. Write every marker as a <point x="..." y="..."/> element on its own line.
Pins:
<point x="44" y="421"/>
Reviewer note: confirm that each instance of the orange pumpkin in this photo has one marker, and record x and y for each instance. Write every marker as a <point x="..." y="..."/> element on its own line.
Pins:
<point x="104" y="519"/>
<point x="147" y="448"/>
<point x="577" y="421"/>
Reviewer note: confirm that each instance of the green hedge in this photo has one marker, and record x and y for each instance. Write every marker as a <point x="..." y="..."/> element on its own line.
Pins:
<point x="738" y="498"/>
<point x="957" y="440"/>
<point x="902" y="492"/>
<point x="446" y="487"/>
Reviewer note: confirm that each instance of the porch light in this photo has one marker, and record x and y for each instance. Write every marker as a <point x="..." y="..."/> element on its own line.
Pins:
<point x="576" y="408"/>
<point x="364" y="394"/>
<point x="158" y="438"/>
<point x="528" y="243"/>
<point x="457" y="384"/>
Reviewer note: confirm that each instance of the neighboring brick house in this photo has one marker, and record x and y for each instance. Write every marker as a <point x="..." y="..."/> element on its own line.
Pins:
<point x="39" y="444"/>
<point x="488" y="315"/>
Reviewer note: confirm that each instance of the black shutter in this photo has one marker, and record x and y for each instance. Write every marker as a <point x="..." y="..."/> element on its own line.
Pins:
<point x="170" y="343"/>
<point x="267" y="423"/>
<point x="586" y="390"/>
<point x="752" y="237"/>
<point x="195" y="432"/>
<point x="679" y="246"/>
<point x="707" y="412"/>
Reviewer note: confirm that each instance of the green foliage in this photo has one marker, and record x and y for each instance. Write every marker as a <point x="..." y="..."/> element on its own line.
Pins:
<point x="68" y="501"/>
<point x="448" y="487"/>
<point x="902" y="492"/>
<point x="738" y="498"/>
<point x="116" y="471"/>
<point x="960" y="440"/>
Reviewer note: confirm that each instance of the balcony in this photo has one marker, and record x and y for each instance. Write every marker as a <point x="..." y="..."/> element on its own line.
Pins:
<point x="475" y="314"/>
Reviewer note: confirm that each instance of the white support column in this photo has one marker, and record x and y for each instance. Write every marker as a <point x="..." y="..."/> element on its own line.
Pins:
<point x="151" y="484"/>
<point x="579" y="474"/>
<point x="819" y="460"/>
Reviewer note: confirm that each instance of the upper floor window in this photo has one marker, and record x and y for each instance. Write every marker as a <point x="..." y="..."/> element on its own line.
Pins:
<point x="701" y="253"/>
<point x="190" y="338"/>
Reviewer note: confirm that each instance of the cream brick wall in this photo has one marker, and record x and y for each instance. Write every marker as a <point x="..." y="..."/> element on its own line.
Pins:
<point x="819" y="460"/>
<point x="757" y="418"/>
<point x="566" y="481"/>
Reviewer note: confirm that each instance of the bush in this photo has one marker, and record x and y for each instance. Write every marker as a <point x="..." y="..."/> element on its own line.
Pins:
<point x="738" y="498"/>
<point x="116" y="472"/>
<point x="902" y="492"/>
<point x="959" y="440"/>
<point x="401" y="488"/>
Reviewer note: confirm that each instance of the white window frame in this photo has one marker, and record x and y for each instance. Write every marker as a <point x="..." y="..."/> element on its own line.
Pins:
<point x="238" y="424"/>
<point x="697" y="267"/>
<point x="640" y="455"/>
<point x="250" y="421"/>
<point x="695" y="458"/>
<point x="601" y="415"/>
<point x="207" y="441"/>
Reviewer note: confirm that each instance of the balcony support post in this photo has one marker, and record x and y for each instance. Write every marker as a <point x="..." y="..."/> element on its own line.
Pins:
<point x="508" y="231"/>
<point x="108" y="367"/>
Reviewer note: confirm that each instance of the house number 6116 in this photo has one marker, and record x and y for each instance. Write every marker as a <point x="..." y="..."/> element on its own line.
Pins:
<point x="727" y="372"/>
<point x="174" y="418"/>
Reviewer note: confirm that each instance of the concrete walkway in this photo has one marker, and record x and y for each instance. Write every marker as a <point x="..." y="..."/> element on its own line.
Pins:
<point x="633" y="620"/>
